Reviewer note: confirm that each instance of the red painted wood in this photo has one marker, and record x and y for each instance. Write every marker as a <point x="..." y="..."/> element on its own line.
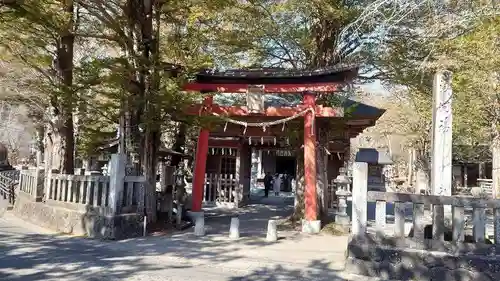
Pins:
<point x="269" y="112"/>
<point x="311" y="211"/>
<point x="252" y="131"/>
<point x="201" y="163"/>
<point x="269" y="88"/>
<point x="224" y="143"/>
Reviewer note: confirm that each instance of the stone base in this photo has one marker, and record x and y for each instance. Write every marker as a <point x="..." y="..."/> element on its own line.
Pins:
<point x="342" y="219"/>
<point x="409" y="259"/>
<point x="78" y="223"/>
<point x="199" y="222"/>
<point x="311" y="227"/>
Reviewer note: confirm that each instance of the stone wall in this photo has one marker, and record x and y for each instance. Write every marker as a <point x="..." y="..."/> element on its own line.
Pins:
<point x="410" y="259"/>
<point x="67" y="221"/>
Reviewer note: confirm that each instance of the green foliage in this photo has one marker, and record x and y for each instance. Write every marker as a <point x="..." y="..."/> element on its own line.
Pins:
<point x="229" y="33"/>
<point x="470" y="50"/>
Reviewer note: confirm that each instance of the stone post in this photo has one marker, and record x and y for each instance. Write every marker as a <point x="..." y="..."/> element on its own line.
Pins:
<point x="116" y="181"/>
<point x="22" y="183"/>
<point x="359" y="197"/>
<point x="39" y="187"/>
<point x="48" y="191"/>
<point x="272" y="231"/>
<point x="441" y="174"/>
<point x="163" y="176"/>
<point x="234" y="229"/>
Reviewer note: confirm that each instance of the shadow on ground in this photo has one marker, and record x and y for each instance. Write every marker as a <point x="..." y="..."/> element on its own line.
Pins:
<point x="46" y="257"/>
<point x="253" y="217"/>
<point x="180" y="256"/>
<point x="317" y="270"/>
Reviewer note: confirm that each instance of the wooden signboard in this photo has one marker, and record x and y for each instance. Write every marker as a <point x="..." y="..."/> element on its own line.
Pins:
<point x="255" y="98"/>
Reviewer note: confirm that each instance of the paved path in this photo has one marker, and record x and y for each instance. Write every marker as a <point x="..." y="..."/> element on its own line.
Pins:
<point x="28" y="252"/>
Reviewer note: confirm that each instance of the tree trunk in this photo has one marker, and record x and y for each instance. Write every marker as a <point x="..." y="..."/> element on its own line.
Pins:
<point x="495" y="154"/>
<point x="149" y="78"/>
<point x="180" y="142"/>
<point x="149" y="163"/>
<point x="325" y="35"/>
<point x="61" y="138"/>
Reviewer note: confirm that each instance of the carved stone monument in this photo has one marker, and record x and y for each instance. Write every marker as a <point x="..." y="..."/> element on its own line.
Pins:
<point x="442" y="134"/>
<point x="441" y="174"/>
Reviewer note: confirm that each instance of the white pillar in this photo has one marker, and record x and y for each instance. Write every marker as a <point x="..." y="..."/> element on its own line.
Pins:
<point x="116" y="181"/>
<point x="359" y="197"/>
<point x="259" y="163"/>
<point x="238" y="178"/>
<point x="163" y="176"/>
<point x="441" y="175"/>
<point x="199" y="223"/>
<point x="234" y="229"/>
<point x="272" y="231"/>
<point x="253" y="168"/>
<point x="441" y="135"/>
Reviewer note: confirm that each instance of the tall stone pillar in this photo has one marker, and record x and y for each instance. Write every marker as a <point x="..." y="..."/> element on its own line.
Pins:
<point x="441" y="174"/>
<point x="116" y="181"/>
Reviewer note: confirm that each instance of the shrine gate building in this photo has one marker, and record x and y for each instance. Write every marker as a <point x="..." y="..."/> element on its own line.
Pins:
<point x="290" y="115"/>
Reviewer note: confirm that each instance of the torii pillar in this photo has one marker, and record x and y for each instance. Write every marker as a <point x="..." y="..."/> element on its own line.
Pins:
<point x="201" y="163"/>
<point x="310" y="224"/>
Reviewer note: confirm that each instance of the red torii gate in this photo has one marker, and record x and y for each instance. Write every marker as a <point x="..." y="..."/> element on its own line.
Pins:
<point x="307" y="83"/>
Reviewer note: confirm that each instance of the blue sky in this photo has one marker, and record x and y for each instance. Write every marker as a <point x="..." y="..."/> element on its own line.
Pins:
<point x="375" y="88"/>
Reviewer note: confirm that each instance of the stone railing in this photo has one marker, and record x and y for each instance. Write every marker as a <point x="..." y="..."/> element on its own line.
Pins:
<point x="93" y="192"/>
<point x="78" y="192"/>
<point x="486" y="186"/>
<point x="108" y="207"/>
<point x="133" y="195"/>
<point x="458" y="205"/>
<point x="435" y="246"/>
<point x="31" y="183"/>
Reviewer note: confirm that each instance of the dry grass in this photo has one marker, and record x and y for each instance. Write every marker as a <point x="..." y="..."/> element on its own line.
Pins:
<point x="334" y="229"/>
<point x="289" y="224"/>
<point x="330" y="228"/>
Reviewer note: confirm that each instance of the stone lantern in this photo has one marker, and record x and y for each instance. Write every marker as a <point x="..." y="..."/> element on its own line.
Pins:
<point x="343" y="182"/>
